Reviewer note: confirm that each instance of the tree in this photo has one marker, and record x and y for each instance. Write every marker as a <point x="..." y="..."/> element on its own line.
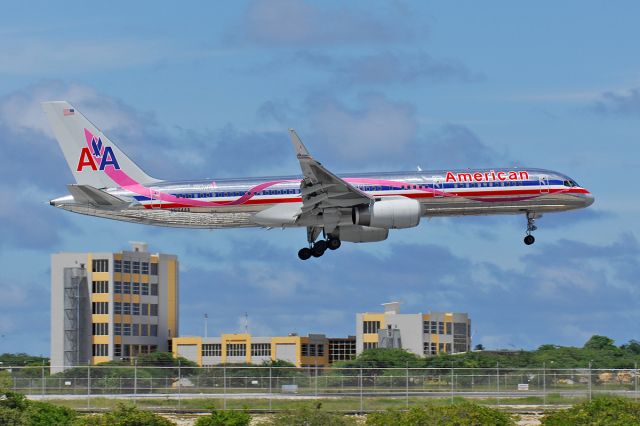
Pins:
<point x="599" y="343"/>
<point x="479" y="347"/>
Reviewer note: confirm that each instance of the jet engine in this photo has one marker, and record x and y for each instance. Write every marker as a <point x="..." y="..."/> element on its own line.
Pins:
<point x="388" y="213"/>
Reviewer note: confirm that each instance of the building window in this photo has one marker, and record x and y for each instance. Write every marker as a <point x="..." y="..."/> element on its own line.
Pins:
<point x="135" y="267"/>
<point x="100" y="350"/>
<point x="449" y="328"/>
<point x="320" y="350"/>
<point x="236" y="349"/>
<point x="126" y="266"/>
<point x="145" y="268"/>
<point x="154" y="269"/>
<point x="117" y="350"/>
<point x="117" y="308"/>
<point x="126" y="329"/>
<point x="144" y="309"/>
<point x="433" y="348"/>
<point x="126" y="308"/>
<point x="153" y="330"/>
<point x="144" y="289"/>
<point x="440" y="347"/>
<point x="126" y="288"/>
<point x="304" y="349"/>
<point x="370" y="326"/>
<point x="135" y="287"/>
<point x="117" y="329"/>
<point x="117" y="266"/>
<point x="440" y="327"/>
<point x="370" y="345"/>
<point x="342" y="349"/>
<point x="100" y="307"/>
<point x="100" y="287"/>
<point x="100" y="328"/>
<point x="213" y="349"/>
<point x="144" y="329"/>
<point x="100" y="265"/>
<point x="117" y="287"/>
<point x="261" y="349"/>
<point x="135" y="309"/>
<point x="135" y="329"/>
<point x="447" y="348"/>
<point x="434" y="327"/>
<point x="153" y="309"/>
<point x="154" y="289"/>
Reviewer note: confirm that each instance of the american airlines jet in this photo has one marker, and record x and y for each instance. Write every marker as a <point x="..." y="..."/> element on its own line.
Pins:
<point x="353" y="207"/>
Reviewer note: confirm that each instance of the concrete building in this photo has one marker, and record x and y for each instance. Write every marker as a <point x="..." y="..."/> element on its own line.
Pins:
<point x="107" y="306"/>
<point x="423" y="334"/>
<point x="314" y="350"/>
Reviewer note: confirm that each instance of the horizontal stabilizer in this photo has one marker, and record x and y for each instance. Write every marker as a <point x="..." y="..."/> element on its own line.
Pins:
<point x="87" y="194"/>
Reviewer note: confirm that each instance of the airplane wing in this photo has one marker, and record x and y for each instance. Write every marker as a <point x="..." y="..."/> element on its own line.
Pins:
<point x="321" y="189"/>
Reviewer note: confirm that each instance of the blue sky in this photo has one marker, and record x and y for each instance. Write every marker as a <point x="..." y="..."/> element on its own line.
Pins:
<point x="209" y="89"/>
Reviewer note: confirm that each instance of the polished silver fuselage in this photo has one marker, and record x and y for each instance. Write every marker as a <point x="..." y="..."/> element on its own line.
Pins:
<point x="228" y="203"/>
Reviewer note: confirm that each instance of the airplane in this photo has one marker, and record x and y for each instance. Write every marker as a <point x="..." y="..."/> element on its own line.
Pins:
<point x="357" y="208"/>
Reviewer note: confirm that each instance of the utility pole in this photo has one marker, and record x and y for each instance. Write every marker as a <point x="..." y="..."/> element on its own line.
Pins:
<point x="206" y="325"/>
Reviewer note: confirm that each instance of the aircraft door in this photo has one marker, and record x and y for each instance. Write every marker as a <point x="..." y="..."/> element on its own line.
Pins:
<point x="544" y="184"/>
<point x="155" y="199"/>
<point x="437" y="187"/>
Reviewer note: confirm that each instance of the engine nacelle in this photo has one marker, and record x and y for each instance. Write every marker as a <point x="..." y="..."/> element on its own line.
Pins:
<point x="363" y="234"/>
<point x="389" y="213"/>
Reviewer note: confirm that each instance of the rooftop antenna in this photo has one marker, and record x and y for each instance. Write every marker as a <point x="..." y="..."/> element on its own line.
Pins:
<point x="246" y="323"/>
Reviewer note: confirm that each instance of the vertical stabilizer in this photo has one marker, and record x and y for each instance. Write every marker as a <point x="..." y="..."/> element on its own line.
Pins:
<point x="93" y="159"/>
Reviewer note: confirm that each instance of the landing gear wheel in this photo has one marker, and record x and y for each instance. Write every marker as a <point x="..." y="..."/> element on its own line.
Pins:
<point x="529" y="239"/>
<point x="334" y="243"/>
<point x="319" y="248"/>
<point x="304" y="253"/>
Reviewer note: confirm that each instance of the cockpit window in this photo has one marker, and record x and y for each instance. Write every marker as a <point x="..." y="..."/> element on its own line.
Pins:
<point x="570" y="183"/>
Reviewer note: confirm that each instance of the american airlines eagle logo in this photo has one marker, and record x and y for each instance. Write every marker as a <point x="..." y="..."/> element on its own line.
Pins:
<point x="97" y="157"/>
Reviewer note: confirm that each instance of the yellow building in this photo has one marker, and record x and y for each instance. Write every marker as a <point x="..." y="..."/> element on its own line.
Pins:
<point x="302" y="351"/>
<point x="107" y="306"/>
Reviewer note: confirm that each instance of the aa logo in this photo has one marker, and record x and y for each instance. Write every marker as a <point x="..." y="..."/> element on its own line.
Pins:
<point x="98" y="157"/>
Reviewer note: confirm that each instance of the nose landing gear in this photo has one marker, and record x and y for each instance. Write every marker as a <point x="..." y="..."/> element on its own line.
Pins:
<point x="531" y="219"/>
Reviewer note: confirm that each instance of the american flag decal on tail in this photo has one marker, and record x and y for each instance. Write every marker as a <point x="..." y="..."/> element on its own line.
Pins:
<point x="68" y="111"/>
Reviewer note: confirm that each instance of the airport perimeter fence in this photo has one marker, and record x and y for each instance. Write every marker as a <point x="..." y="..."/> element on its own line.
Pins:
<point x="339" y="389"/>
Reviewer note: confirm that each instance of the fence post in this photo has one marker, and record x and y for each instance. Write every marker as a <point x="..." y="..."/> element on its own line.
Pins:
<point x="498" y="382"/>
<point x="636" y="377"/>
<point x="407" y="384"/>
<point x="452" y="383"/>
<point x="179" y="385"/>
<point x="544" y="383"/>
<point x="224" y="386"/>
<point x="589" y="380"/>
<point x="88" y="383"/>
<point x="270" y="389"/>
<point x="135" y="379"/>
<point x="43" y="380"/>
<point x="361" y="393"/>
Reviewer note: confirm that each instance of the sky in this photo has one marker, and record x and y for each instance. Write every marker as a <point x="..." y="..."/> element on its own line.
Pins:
<point x="209" y="89"/>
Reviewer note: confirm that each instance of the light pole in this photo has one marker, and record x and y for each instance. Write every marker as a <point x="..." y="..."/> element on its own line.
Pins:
<point x="206" y="324"/>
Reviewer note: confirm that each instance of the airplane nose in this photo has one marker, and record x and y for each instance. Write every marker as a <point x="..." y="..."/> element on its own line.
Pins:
<point x="588" y="199"/>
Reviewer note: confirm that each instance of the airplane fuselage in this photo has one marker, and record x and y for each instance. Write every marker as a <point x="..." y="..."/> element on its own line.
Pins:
<point x="222" y="203"/>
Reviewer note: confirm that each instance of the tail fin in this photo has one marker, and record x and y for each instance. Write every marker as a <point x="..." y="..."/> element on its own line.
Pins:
<point x="93" y="159"/>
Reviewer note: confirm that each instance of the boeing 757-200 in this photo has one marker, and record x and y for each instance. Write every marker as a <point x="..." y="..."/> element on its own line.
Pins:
<point x="352" y="207"/>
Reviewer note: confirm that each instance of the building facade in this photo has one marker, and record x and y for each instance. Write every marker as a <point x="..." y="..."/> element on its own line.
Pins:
<point x="314" y="350"/>
<point x="111" y="306"/>
<point x="423" y="334"/>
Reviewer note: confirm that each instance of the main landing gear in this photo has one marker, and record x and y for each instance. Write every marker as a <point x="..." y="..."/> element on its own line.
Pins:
<point x="317" y="248"/>
<point x="531" y="219"/>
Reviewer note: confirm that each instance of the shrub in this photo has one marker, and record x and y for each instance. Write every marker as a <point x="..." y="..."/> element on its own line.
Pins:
<point x="224" y="418"/>
<point x="124" y="415"/>
<point x="16" y="410"/>
<point x="459" y="414"/>
<point x="605" y="410"/>
<point x="308" y="416"/>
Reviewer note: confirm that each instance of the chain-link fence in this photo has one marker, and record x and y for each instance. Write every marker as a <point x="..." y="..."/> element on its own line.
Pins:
<point x="343" y="389"/>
